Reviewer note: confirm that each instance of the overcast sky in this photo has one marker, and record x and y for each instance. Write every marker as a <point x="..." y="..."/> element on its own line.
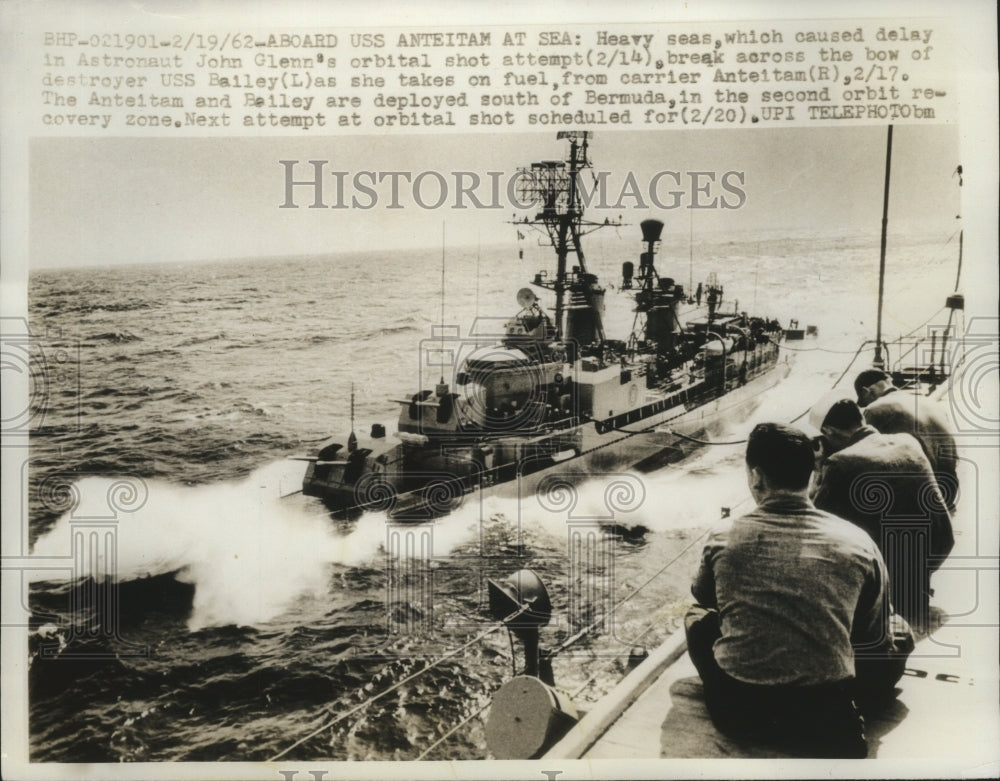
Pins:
<point x="122" y="200"/>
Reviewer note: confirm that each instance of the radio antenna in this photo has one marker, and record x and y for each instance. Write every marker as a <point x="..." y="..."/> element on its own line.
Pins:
<point x="352" y="441"/>
<point x="690" y="252"/>
<point x="756" y="274"/>
<point x="441" y="331"/>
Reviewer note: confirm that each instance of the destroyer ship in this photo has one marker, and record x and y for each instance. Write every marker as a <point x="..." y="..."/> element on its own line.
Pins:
<point x="553" y="394"/>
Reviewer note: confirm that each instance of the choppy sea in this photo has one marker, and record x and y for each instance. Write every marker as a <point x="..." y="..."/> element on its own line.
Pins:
<point x="240" y="617"/>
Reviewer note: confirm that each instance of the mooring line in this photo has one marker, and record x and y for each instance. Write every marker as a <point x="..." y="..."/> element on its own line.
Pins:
<point x="453" y="730"/>
<point x="570" y="640"/>
<point x="360" y="706"/>
<point x="566" y="643"/>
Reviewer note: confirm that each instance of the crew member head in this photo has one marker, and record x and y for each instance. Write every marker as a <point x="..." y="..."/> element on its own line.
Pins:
<point x="779" y="460"/>
<point x="871" y="384"/>
<point x="837" y="417"/>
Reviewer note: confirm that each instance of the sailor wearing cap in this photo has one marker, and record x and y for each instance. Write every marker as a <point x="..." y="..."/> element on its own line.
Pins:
<point x="893" y="412"/>
<point x="884" y="484"/>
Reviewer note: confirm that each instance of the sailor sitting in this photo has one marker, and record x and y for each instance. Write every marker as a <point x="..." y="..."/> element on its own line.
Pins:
<point x="785" y="594"/>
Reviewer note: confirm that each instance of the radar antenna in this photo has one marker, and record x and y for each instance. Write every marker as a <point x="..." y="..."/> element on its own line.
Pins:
<point x="554" y="187"/>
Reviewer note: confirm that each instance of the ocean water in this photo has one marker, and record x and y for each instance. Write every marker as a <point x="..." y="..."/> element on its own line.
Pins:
<point x="244" y="617"/>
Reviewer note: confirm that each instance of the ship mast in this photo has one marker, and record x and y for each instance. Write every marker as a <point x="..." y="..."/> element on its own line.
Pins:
<point x="877" y="362"/>
<point x="555" y="187"/>
<point x="954" y="302"/>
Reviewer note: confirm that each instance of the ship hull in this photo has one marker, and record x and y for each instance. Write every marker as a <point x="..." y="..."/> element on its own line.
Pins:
<point x="556" y="396"/>
<point x="643" y="447"/>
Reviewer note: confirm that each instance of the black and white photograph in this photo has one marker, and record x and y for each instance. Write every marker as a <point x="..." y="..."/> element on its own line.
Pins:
<point x="587" y="448"/>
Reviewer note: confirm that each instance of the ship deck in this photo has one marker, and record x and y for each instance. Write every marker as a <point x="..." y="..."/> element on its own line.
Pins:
<point x="944" y="719"/>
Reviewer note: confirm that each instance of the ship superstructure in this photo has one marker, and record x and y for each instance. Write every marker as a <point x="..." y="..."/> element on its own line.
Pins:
<point x="556" y="391"/>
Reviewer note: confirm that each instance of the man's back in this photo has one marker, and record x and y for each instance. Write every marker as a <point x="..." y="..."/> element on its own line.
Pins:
<point x="901" y="413"/>
<point x="879" y="479"/>
<point x="793" y="587"/>
<point x="884" y="484"/>
<point x="784" y="596"/>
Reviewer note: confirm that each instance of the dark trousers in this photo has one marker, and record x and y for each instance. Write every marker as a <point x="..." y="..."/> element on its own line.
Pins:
<point x="812" y="721"/>
<point x="878" y="669"/>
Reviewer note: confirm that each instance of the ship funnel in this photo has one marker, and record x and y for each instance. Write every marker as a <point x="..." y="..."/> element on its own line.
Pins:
<point x="651" y="230"/>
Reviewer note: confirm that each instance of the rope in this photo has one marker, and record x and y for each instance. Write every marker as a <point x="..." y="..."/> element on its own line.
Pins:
<point x="837" y="382"/>
<point x="843" y="374"/>
<point x="593" y="677"/>
<point x="913" y="331"/>
<point x="649" y="627"/>
<point x="570" y="640"/>
<point x="586" y="630"/>
<point x="784" y="346"/>
<point x="454" y="729"/>
<point x="705" y="441"/>
<point x="797" y="417"/>
<point x="481" y="636"/>
<point x="410" y="677"/>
